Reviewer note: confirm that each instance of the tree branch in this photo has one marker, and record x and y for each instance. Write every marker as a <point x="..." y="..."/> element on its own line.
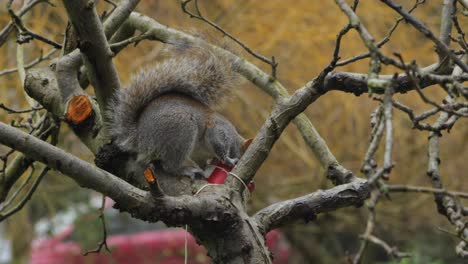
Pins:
<point x="309" y="206"/>
<point x="84" y="173"/>
<point x="42" y="85"/>
<point x="28" y="196"/>
<point x="180" y="210"/>
<point x="119" y="15"/>
<point x="95" y="48"/>
<point x="422" y="189"/>
<point x="9" y="27"/>
<point x="283" y="112"/>
<point x="443" y="48"/>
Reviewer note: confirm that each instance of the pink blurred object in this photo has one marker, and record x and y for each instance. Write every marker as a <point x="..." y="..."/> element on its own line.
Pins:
<point x="160" y="246"/>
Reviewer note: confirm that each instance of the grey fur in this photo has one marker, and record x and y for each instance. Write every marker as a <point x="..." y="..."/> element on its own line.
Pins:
<point x="166" y="114"/>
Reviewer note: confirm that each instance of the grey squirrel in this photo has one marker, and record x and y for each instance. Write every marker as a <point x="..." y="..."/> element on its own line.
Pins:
<point x="166" y="116"/>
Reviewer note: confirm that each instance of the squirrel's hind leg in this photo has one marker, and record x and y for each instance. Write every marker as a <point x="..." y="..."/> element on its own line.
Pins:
<point x="174" y="156"/>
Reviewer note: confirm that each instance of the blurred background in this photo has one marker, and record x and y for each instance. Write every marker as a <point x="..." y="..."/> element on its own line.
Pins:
<point x="301" y="35"/>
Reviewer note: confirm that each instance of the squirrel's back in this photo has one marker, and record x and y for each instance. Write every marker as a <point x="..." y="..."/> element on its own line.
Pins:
<point x="190" y="71"/>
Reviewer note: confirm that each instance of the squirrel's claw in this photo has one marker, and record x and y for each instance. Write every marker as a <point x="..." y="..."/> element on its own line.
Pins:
<point x="231" y="162"/>
<point x="193" y="172"/>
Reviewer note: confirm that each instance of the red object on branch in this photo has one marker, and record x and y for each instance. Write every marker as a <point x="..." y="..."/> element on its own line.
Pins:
<point x="220" y="173"/>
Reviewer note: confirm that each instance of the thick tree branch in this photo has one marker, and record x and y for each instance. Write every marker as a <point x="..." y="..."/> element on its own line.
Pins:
<point x="309" y="206"/>
<point x="119" y="15"/>
<point x="93" y="45"/>
<point x="42" y="85"/>
<point x="283" y="112"/>
<point x="448" y="10"/>
<point x="356" y="83"/>
<point x="84" y="173"/>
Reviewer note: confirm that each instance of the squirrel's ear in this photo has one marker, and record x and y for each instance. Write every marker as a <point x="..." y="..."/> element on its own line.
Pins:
<point x="246" y="144"/>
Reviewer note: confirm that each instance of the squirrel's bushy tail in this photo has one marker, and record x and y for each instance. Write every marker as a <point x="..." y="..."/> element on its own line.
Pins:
<point x="190" y="70"/>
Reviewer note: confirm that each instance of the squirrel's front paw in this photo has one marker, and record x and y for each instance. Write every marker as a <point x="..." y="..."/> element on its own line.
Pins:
<point x="193" y="172"/>
<point x="231" y="162"/>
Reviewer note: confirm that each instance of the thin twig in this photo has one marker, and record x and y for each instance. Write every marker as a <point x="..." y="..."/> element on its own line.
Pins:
<point x="375" y="195"/>
<point x="24" y="34"/>
<point x="9" y="27"/>
<point x="19" y="189"/>
<point x="103" y="242"/>
<point x="13" y="111"/>
<point x="422" y="189"/>
<point x="383" y="41"/>
<point x="33" y="63"/>
<point x="427" y="32"/>
<point x="199" y="16"/>
<point x="20" y="205"/>
<point x="378" y="124"/>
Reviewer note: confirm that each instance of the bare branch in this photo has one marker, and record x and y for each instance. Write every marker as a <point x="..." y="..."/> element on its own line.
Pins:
<point x="378" y="125"/>
<point x="443" y="48"/>
<point x="30" y="192"/>
<point x="283" y="112"/>
<point x="9" y="27"/>
<point x="375" y="53"/>
<point x="119" y="15"/>
<point x="391" y="251"/>
<point x="93" y="44"/>
<point x="33" y="63"/>
<point x="21" y="188"/>
<point x="309" y="206"/>
<point x="370" y="225"/>
<point x="387" y="111"/>
<point x="24" y="34"/>
<point x="383" y="41"/>
<point x="428" y="190"/>
<point x="42" y="129"/>
<point x="82" y="172"/>
<point x="448" y="10"/>
<point x="103" y="242"/>
<point x="13" y="111"/>
<point x="273" y="64"/>
<point x="446" y="204"/>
